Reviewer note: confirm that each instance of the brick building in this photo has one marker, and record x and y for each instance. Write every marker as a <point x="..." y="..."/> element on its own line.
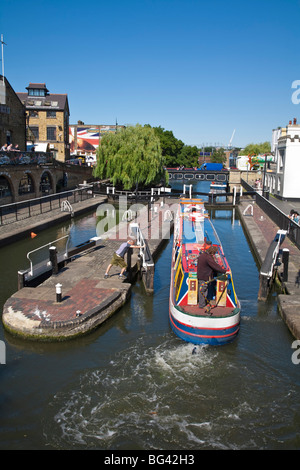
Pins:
<point x="47" y="120"/>
<point x="12" y="117"/>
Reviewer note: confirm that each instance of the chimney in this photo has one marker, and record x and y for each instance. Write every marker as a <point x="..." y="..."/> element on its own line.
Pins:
<point x="295" y="121"/>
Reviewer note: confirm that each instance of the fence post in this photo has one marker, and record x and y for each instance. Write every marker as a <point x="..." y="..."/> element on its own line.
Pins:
<point x="234" y="195"/>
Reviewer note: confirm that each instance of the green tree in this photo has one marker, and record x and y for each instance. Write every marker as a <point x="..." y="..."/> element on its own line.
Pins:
<point x="129" y="157"/>
<point x="189" y="156"/>
<point x="170" y="146"/>
<point x="218" y="156"/>
<point x="256" y="149"/>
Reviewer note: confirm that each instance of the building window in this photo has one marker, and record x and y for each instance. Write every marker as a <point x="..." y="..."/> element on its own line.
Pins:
<point x="35" y="132"/>
<point x="51" y="114"/>
<point x="36" y="92"/>
<point x="5" y="189"/>
<point x="26" y="185"/>
<point x="51" y="133"/>
<point x="33" y="114"/>
<point x="281" y="159"/>
<point x="45" y="184"/>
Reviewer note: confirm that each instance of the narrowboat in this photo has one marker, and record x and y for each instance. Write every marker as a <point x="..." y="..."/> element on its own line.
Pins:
<point x="217" y="188"/>
<point x="218" y="321"/>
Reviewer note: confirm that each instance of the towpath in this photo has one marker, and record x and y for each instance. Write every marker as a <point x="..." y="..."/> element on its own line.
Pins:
<point x="261" y="231"/>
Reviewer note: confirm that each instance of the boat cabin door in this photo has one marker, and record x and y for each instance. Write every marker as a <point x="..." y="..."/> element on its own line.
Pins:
<point x="192" y="289"/>
<point x="221" y="293"/>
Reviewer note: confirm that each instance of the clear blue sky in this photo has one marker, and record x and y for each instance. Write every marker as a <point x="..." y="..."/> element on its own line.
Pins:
<point x="198" y="68"/>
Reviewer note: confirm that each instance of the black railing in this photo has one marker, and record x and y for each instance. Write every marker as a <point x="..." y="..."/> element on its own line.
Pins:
<point x="10" y="213"/>
<point x="276" y="215"/>
<point x="24" y="158"/>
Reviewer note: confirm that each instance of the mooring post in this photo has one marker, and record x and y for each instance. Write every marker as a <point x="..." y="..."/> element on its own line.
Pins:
<point x="58" y="287"/>
<point x="148" y="278"/>
<point x="53" y="259"/>
<point x="285" y="261"/>
<point x="263" y="290"/>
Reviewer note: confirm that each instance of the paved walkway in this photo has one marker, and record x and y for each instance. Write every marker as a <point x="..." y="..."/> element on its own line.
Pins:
<point x="261" y="231"/>
<point x="285" y="206"/>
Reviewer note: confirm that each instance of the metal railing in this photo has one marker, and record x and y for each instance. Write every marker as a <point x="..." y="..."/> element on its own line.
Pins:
<point x="42" y="266"/>
<point x="145" y="252"/>
<point x="53" y="258"/>
<point x="16" y="211"/>
<point x="276" y="215"/>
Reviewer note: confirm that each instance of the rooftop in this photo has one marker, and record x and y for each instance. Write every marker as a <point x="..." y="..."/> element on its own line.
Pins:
<point x="38" y="97"/>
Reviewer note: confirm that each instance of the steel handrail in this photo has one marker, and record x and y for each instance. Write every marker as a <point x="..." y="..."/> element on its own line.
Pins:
<point x="44" y="246"/>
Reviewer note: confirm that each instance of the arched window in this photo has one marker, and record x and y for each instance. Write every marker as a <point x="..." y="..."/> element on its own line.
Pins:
<point x="5" y="189"/>
<point x="26" y="185"/>
<point x="45" y="184"/>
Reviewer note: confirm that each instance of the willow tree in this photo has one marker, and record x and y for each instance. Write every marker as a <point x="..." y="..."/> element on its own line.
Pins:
<point x="129" y="157"/>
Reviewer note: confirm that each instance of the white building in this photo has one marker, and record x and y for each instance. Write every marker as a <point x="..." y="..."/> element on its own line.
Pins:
<point x="284" y="181"/>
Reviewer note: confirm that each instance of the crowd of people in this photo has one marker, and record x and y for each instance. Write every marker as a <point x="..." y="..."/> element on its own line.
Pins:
<point x="10" y="148"/>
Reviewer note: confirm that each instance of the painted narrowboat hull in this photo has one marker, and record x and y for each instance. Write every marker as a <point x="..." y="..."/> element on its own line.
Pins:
<point x="219" y="321"/>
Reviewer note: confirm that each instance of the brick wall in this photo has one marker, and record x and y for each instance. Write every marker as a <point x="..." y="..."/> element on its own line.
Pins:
<point x="12" y="119"/>
<point x="43" y="122"/>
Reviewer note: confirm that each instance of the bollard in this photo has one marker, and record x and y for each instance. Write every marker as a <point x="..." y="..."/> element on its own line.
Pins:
<point x="21" y="279"/>
<point x="285" y="261"/>
<point x="53" y="259"/>
<point x="58" y="292"/>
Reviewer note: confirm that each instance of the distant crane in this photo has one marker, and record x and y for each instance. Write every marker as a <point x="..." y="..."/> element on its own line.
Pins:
<point x="229" y="145"/>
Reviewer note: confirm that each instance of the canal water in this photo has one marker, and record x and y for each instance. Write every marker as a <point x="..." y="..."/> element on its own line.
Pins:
<point x="132" y="384"/>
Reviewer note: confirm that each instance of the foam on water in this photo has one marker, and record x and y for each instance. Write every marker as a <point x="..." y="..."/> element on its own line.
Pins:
<point x="96" y="413"/>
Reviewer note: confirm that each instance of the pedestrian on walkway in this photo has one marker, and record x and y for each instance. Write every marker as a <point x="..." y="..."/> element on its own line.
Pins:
<point x="118" y="258"/>
<point x="296" y="217"/>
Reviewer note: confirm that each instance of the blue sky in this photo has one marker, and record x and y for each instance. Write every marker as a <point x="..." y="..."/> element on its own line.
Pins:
<point x="200" y="69"/>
